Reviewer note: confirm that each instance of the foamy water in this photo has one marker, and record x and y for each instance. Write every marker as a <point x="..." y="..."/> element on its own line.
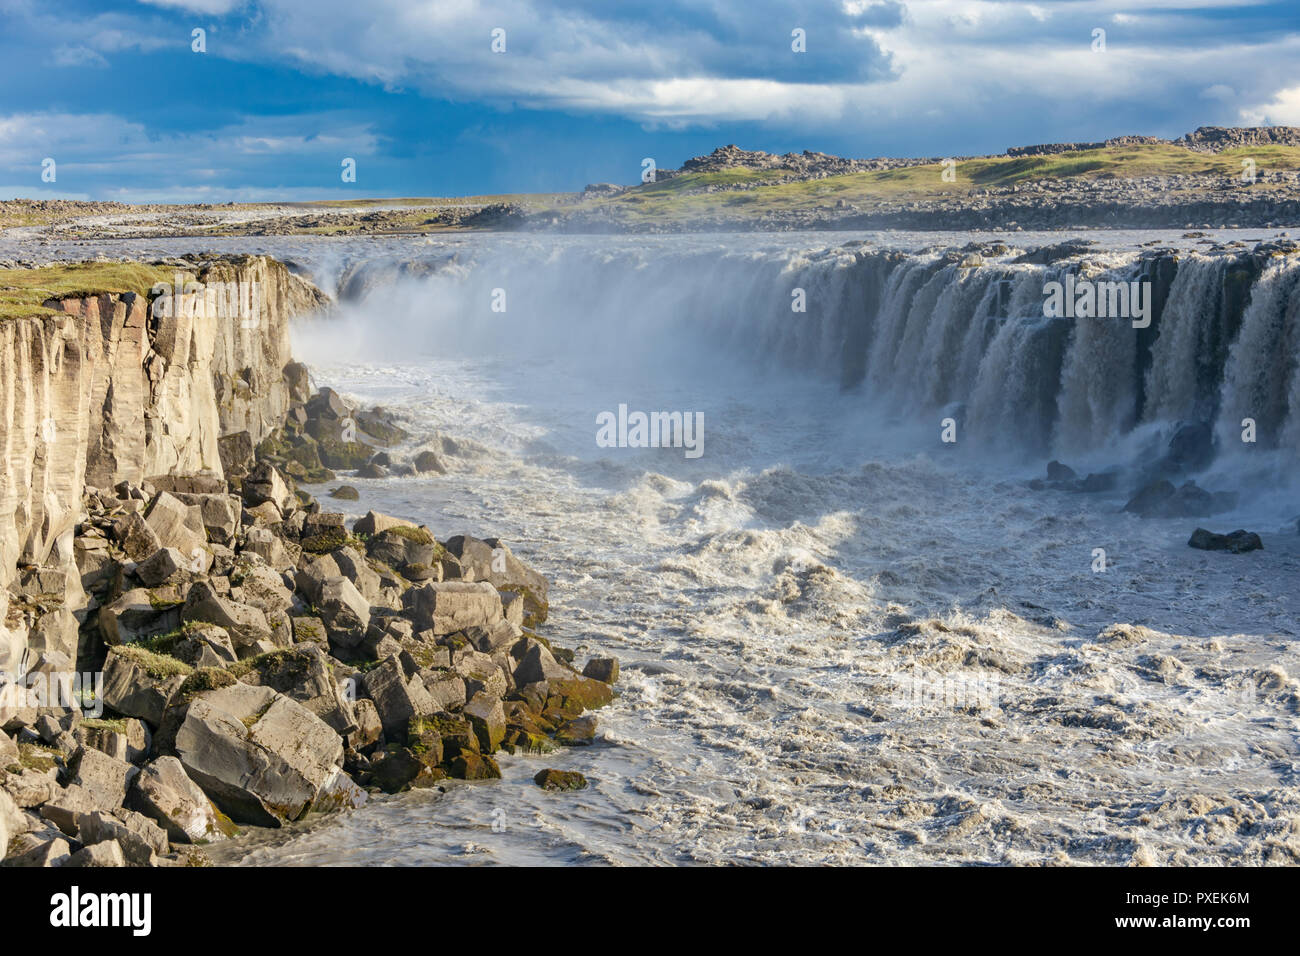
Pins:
<point x="841" y="640"/>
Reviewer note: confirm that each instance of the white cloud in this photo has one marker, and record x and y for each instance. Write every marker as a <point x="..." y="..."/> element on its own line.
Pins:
<point x="215" y="8"/>
<point x="1282" y="110"/>
<point x="79" y="56"/>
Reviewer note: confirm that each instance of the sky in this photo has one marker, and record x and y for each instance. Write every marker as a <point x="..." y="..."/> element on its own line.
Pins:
<point x="117" y="100"/>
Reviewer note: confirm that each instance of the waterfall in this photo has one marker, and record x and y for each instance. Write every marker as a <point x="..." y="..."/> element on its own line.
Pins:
<point x="912" y="333"/>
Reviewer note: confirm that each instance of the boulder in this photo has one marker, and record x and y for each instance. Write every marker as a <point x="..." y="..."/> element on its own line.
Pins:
<point x="453" y="606"/>
<point x="246" y="625"/>
<point x="602" y="669"/>
<point x="486" y="716"/>
<point x="490" y="560"/>
<point x="375" y="523"/>
<point x="265" y="484"/>
<point x="166" y="794"/>
<point x="105" y="779"/>
<point x="66" y="806"/>
<point x="11" y="822"/>
<point x="426" y="462"/>
<point x="221" y="514"/>
<point x="345" y="612"/>
<point x="138" y="615"/>
<point x="176" y="524"/>
<point x="404" y="547"/>
<point x="125" y="739"/>
<point x="354" y="567"/>
<point x="536" y="663"/>
<point x="302" y="673"/>
<point x="1237" y="542"/>
<point x="139" y="837"/>
<point x="139" y="684"/>
<point x="205" y="645"/>
<point x="262" y="758"/>
<point x="108" y="853"/>
<point x="267" y="545"/>
<point x="134" y="536"/>
<point x="396" y="695"/>
<point x="170" y="566"/>
<point x="560" y="780"/>
<point x="1059" y="472"/>
<point x="237" y="454"/>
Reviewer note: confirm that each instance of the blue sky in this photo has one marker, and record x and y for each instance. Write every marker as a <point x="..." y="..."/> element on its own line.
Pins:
<point x="413" y="91"/>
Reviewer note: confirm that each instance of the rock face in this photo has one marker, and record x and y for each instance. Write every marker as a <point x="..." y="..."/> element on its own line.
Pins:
<point x="106" y="391"/>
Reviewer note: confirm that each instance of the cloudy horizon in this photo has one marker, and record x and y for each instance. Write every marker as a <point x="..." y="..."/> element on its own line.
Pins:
<point x="580" y="91"/>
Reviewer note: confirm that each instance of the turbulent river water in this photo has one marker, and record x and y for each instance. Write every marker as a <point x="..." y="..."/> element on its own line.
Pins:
<point x="843" y="640"/>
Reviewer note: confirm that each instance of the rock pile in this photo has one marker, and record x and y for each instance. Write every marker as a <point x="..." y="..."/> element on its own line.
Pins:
<point x="261" y="660"/>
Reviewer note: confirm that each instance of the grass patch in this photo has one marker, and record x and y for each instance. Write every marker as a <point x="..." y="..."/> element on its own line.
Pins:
<point x="22" y="291"/>
<point x="156" y="665"/>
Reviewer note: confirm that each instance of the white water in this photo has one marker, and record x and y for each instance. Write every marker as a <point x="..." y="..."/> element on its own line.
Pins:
<point x="772" y="601"/>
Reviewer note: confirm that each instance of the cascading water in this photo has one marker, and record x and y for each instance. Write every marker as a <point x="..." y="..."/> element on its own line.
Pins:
<point x="841" y="639"/>
<point x="916" y="334"/>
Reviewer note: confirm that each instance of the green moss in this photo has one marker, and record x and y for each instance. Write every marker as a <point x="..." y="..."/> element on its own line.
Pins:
<point x="156" y="665"/>
<point x="203" y="679"/>
<point x="160" y="603"/>
<point x="328" y="541"/>
<point x="418" y="535"/>
<point x="38" y="757"/>
<point x="99" y="723"/>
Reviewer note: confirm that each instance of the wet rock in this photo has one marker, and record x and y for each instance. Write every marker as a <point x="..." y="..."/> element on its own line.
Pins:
<point x="560" y="780"/>
<point x="486" y="716"/>
<point x="1237" y="542"/>
<point x="1161" y="499"/>
<point x="345" y="493"/>
<point x="578" y="732"/>
<point x="1059" y="472"/>
<point x="536" y="663"/>
<point x="602" y="669"/>
<point x="427" y="462"/>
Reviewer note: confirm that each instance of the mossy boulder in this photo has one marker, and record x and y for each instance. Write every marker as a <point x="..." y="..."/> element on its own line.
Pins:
<point x="560" y="780"/>
<point x="472" y="766"/>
